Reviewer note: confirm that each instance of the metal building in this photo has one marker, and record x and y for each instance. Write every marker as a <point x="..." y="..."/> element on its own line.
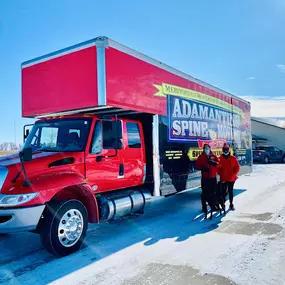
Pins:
<point x="268" y="132"/>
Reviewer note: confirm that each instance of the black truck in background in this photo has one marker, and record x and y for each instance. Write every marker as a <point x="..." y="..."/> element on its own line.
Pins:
<point x="266" y="154"/>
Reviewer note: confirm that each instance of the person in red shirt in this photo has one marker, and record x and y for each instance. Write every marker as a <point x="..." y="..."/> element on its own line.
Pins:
<point x="207" y="162"/>
<point x="228" y="168"/>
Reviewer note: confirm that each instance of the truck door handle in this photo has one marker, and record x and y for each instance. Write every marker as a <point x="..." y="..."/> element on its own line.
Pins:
<point x="121" y="171"/>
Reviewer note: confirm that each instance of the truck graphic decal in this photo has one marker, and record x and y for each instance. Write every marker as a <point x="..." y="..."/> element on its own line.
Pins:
<point x="165" y="90"/>
<point x="191" y="120"/>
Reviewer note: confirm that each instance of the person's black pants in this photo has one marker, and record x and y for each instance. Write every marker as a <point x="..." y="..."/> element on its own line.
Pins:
<point x="208" y="186"/>
<point x="228" y="187"/>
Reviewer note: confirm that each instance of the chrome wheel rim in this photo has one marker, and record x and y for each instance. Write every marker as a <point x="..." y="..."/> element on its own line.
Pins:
<point x="70" y="228"/>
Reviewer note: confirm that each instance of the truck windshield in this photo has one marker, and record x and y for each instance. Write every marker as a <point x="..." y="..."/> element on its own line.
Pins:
<point x="59" y="135"/>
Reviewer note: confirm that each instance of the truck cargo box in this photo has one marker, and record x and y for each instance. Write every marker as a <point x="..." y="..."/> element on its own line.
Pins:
<point x="101" y="72"/>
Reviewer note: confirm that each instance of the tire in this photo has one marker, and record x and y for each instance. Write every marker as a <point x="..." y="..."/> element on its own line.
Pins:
<point x="283" y="159"/>
<point x="266" y="159"/>
<point x="56" y="235"/>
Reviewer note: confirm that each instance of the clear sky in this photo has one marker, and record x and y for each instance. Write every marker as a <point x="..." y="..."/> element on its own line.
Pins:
<point x="237" y="45"/>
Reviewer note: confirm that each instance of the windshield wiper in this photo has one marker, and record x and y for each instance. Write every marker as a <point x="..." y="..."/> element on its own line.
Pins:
<point x="24" y="155"/>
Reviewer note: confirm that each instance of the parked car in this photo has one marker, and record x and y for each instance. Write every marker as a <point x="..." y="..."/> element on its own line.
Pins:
<point x="268" y="154"/>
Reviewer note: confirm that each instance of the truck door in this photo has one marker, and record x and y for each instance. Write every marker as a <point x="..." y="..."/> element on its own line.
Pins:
<point x="103" y="161"/>
<point x="134" y="157"/>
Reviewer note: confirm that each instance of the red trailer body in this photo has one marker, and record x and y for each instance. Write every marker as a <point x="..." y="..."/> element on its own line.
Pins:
<point x="115" y="127"/>
<point x="67" y="80"/>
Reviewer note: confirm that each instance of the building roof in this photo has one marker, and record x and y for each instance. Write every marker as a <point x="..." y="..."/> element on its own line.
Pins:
<point x="277" y="123"/>
<point x="258" y="138"/>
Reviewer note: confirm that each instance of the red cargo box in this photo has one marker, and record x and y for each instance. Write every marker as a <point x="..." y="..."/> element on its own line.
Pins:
<point x="103" y="73"/>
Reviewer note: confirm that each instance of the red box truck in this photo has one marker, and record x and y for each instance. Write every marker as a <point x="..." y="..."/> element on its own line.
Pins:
<point x="113" y="128"/>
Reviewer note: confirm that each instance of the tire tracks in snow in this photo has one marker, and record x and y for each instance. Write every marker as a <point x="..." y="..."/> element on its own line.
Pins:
<point x="13" y="259"/>
<point x="20" y="264"/>
<point x="22" y="270"/>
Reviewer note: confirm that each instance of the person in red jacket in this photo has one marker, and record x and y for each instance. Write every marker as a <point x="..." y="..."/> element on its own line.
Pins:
<point x="207" y="162"/>
<point x="228" y="168"/>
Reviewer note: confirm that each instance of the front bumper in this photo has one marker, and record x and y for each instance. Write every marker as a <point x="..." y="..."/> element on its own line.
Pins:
<point x="20" y="219"/>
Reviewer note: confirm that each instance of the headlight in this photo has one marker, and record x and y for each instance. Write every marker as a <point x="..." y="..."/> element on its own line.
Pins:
<point x="3" y="175"/>
<point x="15" y="200"/>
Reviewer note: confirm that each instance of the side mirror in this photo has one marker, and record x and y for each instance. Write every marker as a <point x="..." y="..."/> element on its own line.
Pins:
<point x="26" y="131"/>
<point x="117" y="129"/>
<point x="118" y="144"/>
<point x="26" y="154"/>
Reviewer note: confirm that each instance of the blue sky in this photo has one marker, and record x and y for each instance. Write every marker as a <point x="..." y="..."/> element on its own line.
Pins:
<point x="236" y="45"/>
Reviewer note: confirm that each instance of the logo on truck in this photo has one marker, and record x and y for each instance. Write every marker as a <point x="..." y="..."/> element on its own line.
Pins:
<point x="195" y="116"/>
<point x="198" y="118"/>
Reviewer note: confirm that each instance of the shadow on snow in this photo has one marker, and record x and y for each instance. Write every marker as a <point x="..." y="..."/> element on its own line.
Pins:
<point x="177" y="217"/>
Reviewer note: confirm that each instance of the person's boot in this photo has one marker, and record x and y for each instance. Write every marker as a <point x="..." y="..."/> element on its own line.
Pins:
<point x="232" y="207"/>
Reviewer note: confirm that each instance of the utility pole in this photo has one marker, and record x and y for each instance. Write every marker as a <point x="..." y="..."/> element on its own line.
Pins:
<point x="15" y="133"/>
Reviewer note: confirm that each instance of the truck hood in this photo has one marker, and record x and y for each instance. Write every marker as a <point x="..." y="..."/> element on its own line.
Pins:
<point x="15" y="158"/>
<point x="43" y="165"/>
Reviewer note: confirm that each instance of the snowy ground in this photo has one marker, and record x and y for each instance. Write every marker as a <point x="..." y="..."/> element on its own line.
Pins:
<point x="170" y="244"/>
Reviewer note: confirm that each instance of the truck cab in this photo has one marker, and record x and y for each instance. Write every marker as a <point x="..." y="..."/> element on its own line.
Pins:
<point x="77" y="163"/>
<point x="109" y="153"/>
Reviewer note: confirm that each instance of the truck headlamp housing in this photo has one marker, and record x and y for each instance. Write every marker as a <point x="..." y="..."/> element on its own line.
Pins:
<point x="16" y="200"/>
<point x="3" y="175"/>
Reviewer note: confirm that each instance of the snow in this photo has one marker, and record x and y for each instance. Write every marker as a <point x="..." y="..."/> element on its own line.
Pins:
<point x="170" y="243"/>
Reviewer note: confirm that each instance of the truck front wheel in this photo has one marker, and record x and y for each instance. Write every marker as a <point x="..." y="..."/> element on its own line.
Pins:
<point x="64" y="227"/>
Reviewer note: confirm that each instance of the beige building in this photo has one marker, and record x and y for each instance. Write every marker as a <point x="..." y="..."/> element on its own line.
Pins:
<point x="267" y="132"/>
<point x="6" y="152"/>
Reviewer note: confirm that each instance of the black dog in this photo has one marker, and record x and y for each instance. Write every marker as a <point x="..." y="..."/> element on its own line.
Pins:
<point x="215" y="199"/>
<point x="220" y="199"/>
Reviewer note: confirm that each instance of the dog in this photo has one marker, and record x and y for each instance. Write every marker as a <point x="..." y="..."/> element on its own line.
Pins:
<point x="215" y="199"/>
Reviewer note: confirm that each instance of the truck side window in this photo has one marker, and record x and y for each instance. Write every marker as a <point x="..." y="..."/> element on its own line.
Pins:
<point x="109" y="138"/>
<point x="134" y="139"/>
<point x="96" y="146"/>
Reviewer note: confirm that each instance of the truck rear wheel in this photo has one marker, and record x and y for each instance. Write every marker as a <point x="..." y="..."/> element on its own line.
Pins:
<point x="64" y="227"/>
